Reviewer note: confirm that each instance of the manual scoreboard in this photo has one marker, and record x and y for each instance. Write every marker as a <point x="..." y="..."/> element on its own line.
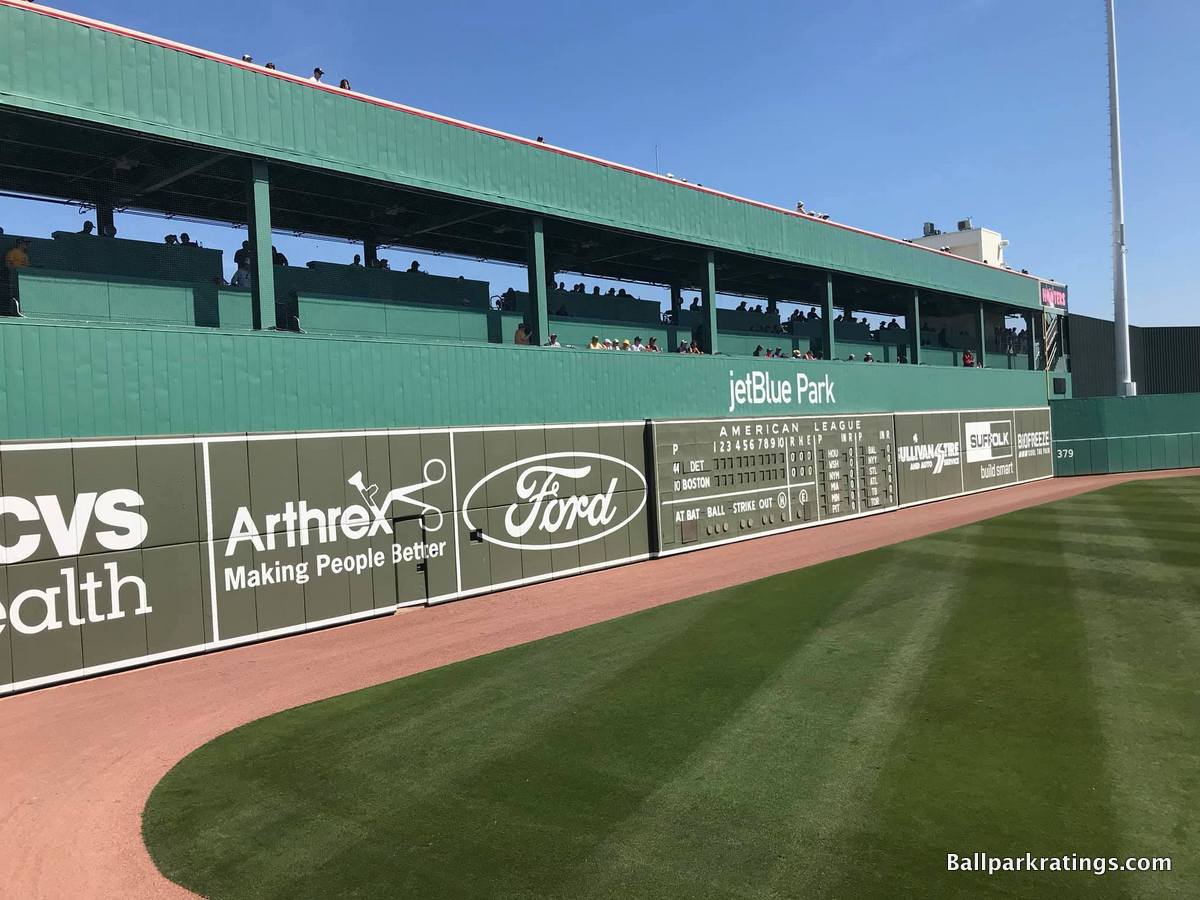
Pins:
<point x="731" y="478"/>
<point x="723" y="479"/>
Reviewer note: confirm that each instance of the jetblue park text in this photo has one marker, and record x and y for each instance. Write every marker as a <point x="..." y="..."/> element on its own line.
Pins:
<point x="760" y="388"/>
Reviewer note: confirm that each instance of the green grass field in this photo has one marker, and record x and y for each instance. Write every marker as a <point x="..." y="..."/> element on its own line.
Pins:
<point x="1027" y="684"/>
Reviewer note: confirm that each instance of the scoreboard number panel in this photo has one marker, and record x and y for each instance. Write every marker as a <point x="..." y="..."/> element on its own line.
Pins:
<point x="731" y="478"/>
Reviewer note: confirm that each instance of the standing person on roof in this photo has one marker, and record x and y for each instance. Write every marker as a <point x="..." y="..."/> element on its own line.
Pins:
<point x="317" y="74"/>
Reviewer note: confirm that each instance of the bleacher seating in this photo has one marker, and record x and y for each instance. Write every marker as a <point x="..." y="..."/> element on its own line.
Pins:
<point x="83" y="277"/>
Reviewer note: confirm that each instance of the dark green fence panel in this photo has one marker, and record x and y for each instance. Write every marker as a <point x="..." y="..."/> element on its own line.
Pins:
<point x="1132" y="434"/>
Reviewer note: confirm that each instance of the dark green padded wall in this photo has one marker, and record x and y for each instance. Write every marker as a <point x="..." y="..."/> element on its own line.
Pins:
<point x="1126" y="434"/>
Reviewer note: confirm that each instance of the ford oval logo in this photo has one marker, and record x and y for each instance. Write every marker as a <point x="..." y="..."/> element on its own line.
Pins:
<point x="544" y="501"/>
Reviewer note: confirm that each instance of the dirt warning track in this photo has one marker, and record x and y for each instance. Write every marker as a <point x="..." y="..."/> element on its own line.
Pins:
<point x="78" y="761"/>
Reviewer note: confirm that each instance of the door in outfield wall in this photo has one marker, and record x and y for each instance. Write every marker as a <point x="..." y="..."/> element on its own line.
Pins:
<point x="411" y="556"/>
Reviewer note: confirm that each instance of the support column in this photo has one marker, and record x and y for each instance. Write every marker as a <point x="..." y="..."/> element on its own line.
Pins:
<point x="708" y="303"/>
<point x="258" y="224"/>
<point x="827" y="317"/>
<point x="676" y="304"/>
<point x="1031" y="340"/>
<point x="981" y="359"/>
<point x="914" y="328"/>
<point x="537" y="316"/>
<point x="104" y="218"/>
<point x="370" y="252"/>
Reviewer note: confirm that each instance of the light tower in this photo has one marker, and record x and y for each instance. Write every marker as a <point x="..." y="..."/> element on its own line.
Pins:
<point x="1125" y="385"/>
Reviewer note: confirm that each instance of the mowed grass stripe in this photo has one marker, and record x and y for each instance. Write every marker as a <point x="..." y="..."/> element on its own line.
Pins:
<point x="831" y="732"/>
<point x="712" y="815"/>
<point x="998" y="753"/>
<point x="1151" y="731"/>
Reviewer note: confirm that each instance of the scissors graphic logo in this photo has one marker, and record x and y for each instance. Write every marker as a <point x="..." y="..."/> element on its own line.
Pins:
<point x="434" y="473"/>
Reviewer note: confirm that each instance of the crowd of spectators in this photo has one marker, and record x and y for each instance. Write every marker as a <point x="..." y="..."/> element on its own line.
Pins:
<point x="1003" y="339"/>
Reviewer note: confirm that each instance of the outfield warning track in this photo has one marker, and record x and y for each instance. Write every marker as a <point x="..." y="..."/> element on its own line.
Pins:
<point x="78" y="761"/>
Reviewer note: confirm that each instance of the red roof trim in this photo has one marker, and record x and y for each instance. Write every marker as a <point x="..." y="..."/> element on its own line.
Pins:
<point x="76" y="19"/>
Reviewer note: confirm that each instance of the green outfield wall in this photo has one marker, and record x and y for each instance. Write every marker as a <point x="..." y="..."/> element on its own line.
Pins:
<point x="73" y="380"/>
<point x="1098" y="435"/>
<point x="125" y="551"/>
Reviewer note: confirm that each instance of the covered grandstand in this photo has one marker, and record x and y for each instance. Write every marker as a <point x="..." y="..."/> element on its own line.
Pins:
<point x="114" y="120"/>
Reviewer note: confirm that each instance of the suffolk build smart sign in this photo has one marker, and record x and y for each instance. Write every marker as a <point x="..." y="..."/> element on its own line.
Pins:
<point x="115" y="552"/>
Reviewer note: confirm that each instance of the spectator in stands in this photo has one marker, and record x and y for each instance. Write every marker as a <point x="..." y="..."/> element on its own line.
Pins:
<point x="812" y="314"/>
<point x="637" y="343"/>
<point x="779" y="353"/>
<point x="271" y="66"/>
<point x="277" y="258"/>
<point x="87" y="228"/>
<point x="522" y="335"/>
<point x="682" y="348"/>
<point x="357" y="261"/>
<point x="18" y="256"/>
<point x="695" y="303"/>
<point x="242" y="257"/>
<point x="414" y="266"/>
<point x="382" y="263"/>
<point x="902" y="357"/>
<point x="594" y="343"/>
<point x="652" y="346"/>
<point x="758" y="309"/>
<point x="185" y="240"/>
<point x="108" y="231"/>
<point x="317" y="75"/>
<point x="596" y="290"/>
<point x="694" y="347"/>
<point x="170" y="240"/>
<point x="850" y="358"/>
<point x="242" y="277"/>
<point x="553" y="342"/>
<point x="612" y="292"/>
<point x="742" y="306"/>
<point x="344" y="84"/>
<point x="968" y="359"/>
<point x="868" y="357"/>
<point x="796" y="354"/>
<point x="14" y="259"/>
<point x="758" y="351"/>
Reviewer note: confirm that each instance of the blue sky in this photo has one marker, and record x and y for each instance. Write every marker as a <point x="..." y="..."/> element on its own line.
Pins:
<point x="884" y="114"/>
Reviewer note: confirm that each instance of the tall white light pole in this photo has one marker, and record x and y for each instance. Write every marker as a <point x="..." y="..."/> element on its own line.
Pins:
<point x="1125" y="385"/>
